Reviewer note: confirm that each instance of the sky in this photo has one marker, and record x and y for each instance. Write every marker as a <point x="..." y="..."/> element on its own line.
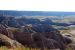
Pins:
<point x="38" y="5"/>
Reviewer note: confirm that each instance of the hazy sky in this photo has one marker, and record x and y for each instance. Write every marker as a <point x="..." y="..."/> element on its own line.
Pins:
<point x="38" y="5"/>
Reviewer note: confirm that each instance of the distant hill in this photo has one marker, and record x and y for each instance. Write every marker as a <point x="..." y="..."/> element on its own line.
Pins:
<point x="35" y="13"/>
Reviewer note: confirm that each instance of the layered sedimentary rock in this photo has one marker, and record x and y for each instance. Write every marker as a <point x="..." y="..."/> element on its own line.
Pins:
<point x="50" y="40"/>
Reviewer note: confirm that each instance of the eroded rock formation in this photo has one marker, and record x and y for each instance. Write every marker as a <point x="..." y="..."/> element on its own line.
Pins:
<point x="49" y="40"/>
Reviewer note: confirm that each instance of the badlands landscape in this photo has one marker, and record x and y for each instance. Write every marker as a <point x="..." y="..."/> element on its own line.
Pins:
<point x="36" y="30"/>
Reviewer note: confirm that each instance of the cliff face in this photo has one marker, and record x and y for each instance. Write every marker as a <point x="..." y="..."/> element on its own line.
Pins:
<point x="51" y="40"/>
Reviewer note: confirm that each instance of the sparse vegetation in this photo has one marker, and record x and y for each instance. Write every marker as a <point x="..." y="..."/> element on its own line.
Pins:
<point x="36" y="33"/>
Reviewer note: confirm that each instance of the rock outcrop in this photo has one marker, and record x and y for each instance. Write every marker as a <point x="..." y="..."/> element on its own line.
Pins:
<point x="8" y="42"/>
<point x="50" y="40"/>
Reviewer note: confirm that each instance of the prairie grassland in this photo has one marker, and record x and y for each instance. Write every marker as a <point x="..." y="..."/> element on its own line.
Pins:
<point x="25" y="48"/>
<point x="21" y="48"/>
